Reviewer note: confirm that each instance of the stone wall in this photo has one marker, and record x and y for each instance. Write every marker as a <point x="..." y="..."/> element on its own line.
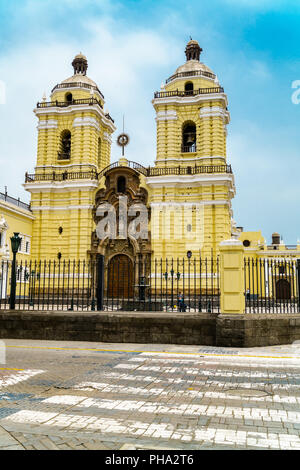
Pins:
<point x="151" y="327"/>
<point x="140" y="327"/>
<point x="257" y="330"/>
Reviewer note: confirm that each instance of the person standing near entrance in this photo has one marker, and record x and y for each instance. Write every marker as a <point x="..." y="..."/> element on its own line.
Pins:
<point x="181" y="303"/>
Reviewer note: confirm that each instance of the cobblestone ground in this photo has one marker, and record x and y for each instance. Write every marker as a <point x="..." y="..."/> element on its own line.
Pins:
<point x="71" y="395"/>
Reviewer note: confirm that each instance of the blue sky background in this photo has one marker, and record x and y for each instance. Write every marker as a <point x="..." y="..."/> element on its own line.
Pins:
<point x="132" y="46"/>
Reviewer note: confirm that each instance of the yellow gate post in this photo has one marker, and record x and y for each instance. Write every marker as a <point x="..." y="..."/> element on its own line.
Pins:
<point x="232" y="277"/>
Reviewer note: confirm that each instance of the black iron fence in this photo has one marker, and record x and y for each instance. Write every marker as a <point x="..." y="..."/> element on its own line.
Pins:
<point x="165" y="285"/>
<point x="121" y="284"/>
<point x="272" y="285"/>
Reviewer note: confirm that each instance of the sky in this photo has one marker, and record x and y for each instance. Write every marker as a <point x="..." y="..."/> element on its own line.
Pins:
<point x="134" y="46"/>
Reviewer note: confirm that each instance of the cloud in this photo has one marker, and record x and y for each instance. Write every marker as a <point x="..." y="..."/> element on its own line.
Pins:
<point x="258" y="4"/>
<point x="266" y="167"/>
<point x="131" y="48"/>
<point x="125" y="65"/>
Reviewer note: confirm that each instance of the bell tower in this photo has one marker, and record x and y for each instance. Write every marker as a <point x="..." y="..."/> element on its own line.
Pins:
<point x="191" y="173"/>
<point x="74" y="145"/>
<point x="191" y="115"/>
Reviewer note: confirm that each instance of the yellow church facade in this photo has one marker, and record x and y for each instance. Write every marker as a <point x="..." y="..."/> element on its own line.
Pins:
<point x="190" y="186"/>
<point x="187" y="193"/>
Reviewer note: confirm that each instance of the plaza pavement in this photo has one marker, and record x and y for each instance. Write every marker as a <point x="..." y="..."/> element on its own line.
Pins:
<point x="75" y="395"/>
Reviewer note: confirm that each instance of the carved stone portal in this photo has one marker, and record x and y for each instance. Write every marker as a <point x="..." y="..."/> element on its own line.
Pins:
<point x="126" y="260"/>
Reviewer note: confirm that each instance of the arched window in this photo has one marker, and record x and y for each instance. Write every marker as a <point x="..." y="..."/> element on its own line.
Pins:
<point x="99" y="153"/>
<point x="69" y="97"/>
<point x="189" y="88"/>
<point x="121" y="184"/>
<point x="188" y="137"/>
<point x="65" y="146"/>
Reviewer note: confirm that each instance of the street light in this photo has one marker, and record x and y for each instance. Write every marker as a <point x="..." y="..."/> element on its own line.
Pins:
<point x="15" y="245"/>
<point x="172" y="277"/>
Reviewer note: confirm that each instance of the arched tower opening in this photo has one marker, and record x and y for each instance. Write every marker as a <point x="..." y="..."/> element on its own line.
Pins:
<point x="188" y="137"/>
<point x="64" y="152"/>
<point x="69" y="97"/>
<point x="189" y="88"/>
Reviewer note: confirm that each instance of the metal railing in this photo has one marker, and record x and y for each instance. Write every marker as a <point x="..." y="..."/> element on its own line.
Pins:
<point x="65" y="104"/>
<point x="184" y="285"/>
<point x="150" y="171"/>
<point x="190" y="170"/>
<point x="272" y="286"/>
<point x="134" y="165"/>
<point x="14" y="201"/>
<point x="77" y="85"/>
<point x="61" y="176"/>
<point x="194" y="73"/>
<point x="200" y="91"/>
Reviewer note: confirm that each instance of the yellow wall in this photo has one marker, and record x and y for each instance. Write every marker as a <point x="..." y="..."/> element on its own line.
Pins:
<point x="210" y="193"/>
<point x="68" y="203"/>
<point x="18" y="220"/>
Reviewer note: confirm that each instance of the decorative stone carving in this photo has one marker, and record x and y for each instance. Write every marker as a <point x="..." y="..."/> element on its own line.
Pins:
<point x="135" y="195"/>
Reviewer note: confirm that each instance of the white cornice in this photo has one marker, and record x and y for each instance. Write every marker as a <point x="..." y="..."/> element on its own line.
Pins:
<point x="61" y="208"/>
<point x="167" y="115"/>
<point x="61" y="186"/>
<point x="193" y="180"/>
<point x="47" y="124"/>
<point x="77" y="109"/>
<point x="86" y="121"/>
<point x="214" y="111"/>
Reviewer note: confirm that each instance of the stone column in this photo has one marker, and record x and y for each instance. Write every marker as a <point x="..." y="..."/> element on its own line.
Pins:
<point x="232" y="277"/>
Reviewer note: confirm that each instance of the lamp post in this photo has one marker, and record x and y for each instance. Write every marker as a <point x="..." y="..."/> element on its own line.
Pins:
<point x="15" y="245"/>
<point x="298" y="276"/>
<point x="172" y="277"/>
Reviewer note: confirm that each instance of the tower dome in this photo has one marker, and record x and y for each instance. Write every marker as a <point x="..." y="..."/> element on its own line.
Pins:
<point x="80" y="65"/>
<point x="193" y="64"/>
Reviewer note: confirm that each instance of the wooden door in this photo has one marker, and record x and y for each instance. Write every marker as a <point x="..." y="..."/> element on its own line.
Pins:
<point x="120" y="277"/>
<point x="283" y="290"/>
